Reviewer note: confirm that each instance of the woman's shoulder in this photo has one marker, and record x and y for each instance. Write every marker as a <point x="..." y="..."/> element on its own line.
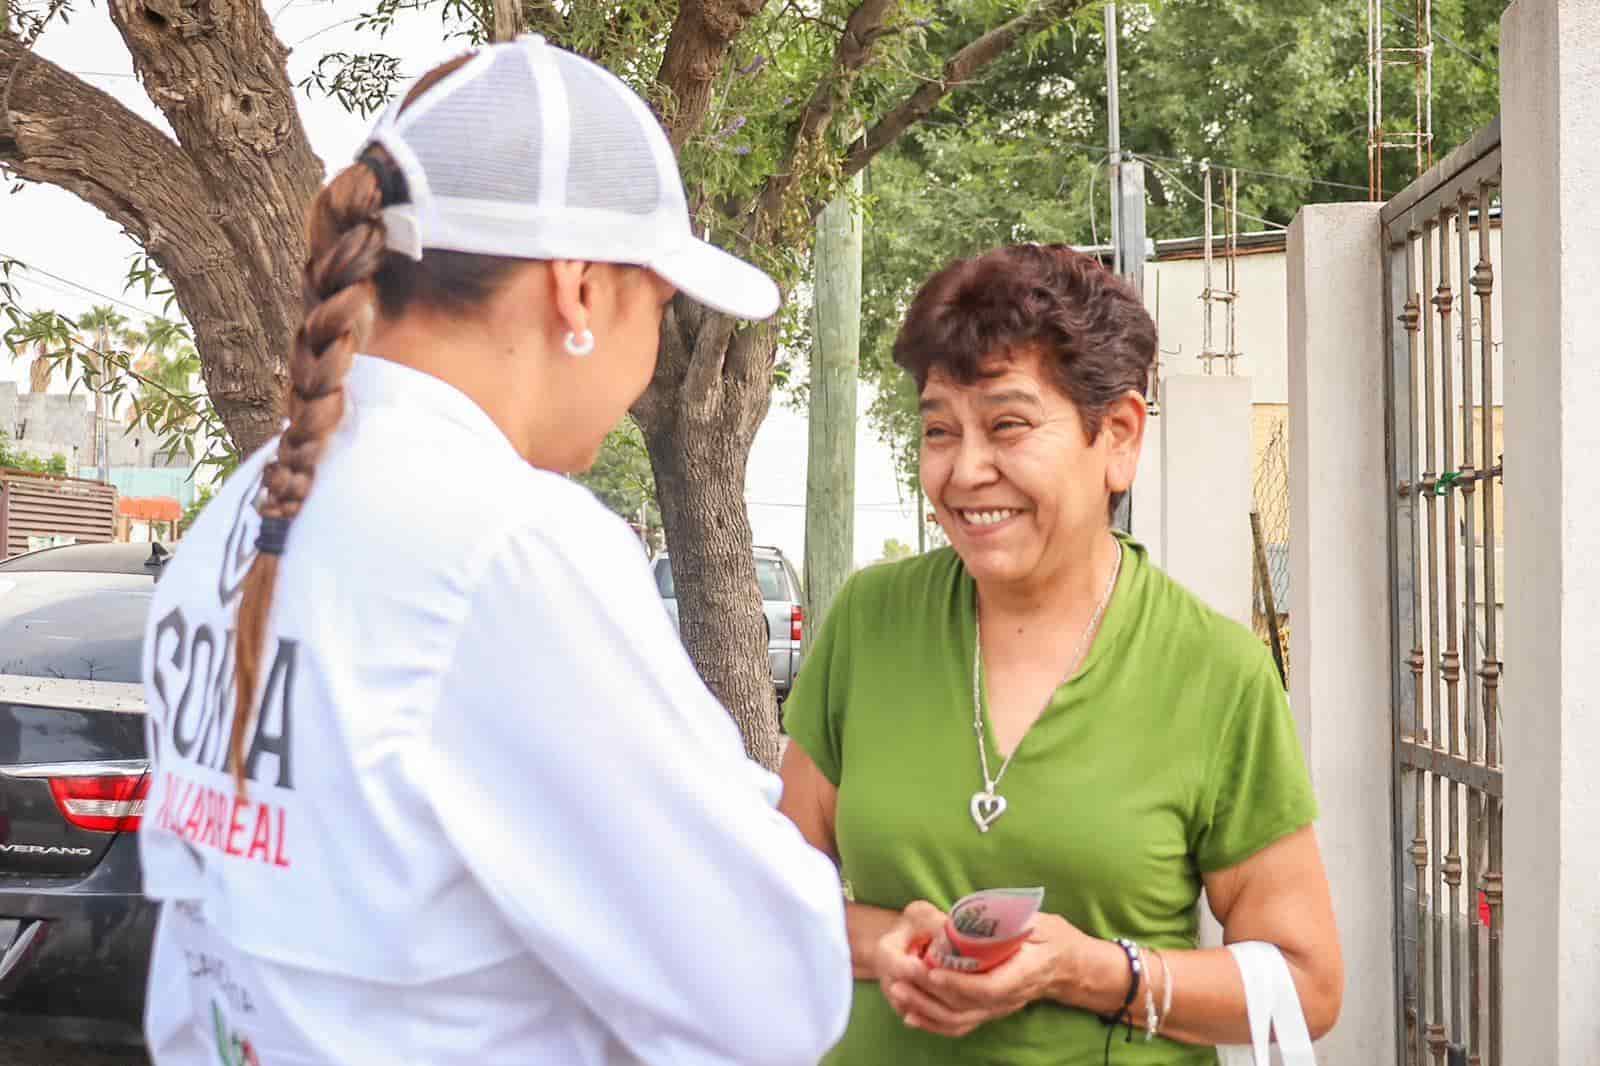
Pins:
<point x="1191" y="630"/>
<point x="919" y="582"/>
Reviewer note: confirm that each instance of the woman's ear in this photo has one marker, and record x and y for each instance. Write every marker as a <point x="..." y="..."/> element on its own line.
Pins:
<point x="1122" y="434"/>
<point x="571" y="295"/>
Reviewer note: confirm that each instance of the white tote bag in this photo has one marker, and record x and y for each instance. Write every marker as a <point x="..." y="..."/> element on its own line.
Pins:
<point x="1274" y="1007"/>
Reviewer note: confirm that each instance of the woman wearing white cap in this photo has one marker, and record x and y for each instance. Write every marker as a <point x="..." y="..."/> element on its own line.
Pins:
<point x="433" y="779"/>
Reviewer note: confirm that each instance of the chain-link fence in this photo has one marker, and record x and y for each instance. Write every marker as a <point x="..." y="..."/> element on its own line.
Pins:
<point x="1272" y="598"/>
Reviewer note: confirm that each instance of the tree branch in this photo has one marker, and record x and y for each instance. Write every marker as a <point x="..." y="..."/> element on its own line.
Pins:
<point x="701" y="37"/>
<point x="958" y="69"/>
<point x="59" y="130"/>
<point x="541" y="16"/>
<point x="866" y="24"/>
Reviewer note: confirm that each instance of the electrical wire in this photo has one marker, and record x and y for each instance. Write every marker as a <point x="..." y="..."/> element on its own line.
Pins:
<point x="1452" y="45"/>
<point x="1187" y="163"/>
<point x="886" y="508"/>
<point x="1200" y="199"/>
<point x="22" y="265"/>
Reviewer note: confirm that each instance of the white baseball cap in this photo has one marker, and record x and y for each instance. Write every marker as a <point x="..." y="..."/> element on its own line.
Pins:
<point x="531" y="152"/>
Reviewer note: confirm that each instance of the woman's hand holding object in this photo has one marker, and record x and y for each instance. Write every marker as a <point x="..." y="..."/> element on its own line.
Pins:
<point x="953" y="1004"/>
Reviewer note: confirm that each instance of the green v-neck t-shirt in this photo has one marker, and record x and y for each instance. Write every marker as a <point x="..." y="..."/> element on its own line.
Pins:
<point x="1170" y="755"/>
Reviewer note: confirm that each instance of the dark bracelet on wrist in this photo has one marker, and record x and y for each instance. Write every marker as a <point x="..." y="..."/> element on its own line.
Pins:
<point x="1135" y="976"/>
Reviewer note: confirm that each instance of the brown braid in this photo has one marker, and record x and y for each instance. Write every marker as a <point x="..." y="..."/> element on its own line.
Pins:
<point x="346" y="240"/>
<point x="347" y="275"/>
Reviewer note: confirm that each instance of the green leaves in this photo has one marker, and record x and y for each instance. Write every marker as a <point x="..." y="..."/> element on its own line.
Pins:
<point x="622" y="478"/>
<point x="149" y="375"/>
<point x="18" y="460"/>
<point x="363" y="82"/>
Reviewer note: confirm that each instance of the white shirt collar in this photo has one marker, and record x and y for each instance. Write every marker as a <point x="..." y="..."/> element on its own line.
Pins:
<point x="374" y="382"/>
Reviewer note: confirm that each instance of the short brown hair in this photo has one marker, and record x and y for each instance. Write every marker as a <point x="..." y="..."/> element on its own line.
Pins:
<point x="1089" y="327"/>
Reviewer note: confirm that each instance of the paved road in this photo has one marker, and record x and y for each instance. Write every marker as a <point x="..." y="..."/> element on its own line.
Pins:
<point x="45" y="1053"/>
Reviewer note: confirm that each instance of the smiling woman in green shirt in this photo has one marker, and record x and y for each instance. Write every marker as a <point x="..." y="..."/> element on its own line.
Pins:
<point x="1040" y="705"/>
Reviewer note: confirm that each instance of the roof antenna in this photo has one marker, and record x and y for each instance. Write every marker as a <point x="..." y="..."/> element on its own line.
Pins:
<point x="158" y="555"/>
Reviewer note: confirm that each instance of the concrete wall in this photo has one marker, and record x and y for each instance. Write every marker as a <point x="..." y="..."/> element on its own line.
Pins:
<point x="1338" y="561"/>
<point x="1550" y="118"/>
<point x="47" y="424"/>
<point x="1262" y="322"/>
<point x="1205" y="482"/>
<point x="1263" y="325"/>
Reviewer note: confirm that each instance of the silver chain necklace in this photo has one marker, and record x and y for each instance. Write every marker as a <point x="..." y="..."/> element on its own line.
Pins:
<point x="986" y="807"/>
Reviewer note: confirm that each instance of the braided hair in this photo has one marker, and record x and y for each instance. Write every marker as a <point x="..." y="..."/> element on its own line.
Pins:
<point x="348" y="279"/>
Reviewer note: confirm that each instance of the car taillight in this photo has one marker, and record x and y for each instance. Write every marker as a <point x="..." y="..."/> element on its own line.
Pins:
<point x="797" y="619"/>
<point x="109" y="804"/>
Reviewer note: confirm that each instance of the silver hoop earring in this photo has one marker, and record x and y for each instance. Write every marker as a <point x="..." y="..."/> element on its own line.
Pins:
<point x="579" y="345"/>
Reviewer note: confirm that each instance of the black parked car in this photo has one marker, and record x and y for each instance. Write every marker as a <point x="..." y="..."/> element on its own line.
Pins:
<point x="75" y="930"/>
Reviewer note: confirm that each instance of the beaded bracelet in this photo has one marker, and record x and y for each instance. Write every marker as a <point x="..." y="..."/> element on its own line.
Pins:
<point x="1135" y="974"/>
<point x="1135" y="977"/>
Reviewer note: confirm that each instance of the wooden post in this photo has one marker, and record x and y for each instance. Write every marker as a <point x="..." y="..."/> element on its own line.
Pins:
<point x="835" y="366"/>
<point x="506" y="21"/>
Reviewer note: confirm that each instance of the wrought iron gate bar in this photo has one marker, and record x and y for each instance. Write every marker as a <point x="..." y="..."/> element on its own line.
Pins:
<point x="1455" y="477"/>
<point x="1415" y="199"/>
<point x="1421" y="756"/>
<point x="1444" y="475"/>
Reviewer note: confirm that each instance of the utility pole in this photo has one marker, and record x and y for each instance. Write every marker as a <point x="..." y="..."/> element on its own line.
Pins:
<point x="102" y="441"/>
<point x="1127" y="204"/>
<point x="835" y="366"/>
<point x="1114" y="126"/>
<point x="922" y="519"/>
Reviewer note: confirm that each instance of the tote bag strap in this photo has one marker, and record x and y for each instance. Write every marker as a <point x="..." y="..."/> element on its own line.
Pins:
<point x="1273" y="1006"/>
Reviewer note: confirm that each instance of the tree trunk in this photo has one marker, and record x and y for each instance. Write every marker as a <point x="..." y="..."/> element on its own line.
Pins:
<point x="221" y="210"/>
<point x="699" y="444"/>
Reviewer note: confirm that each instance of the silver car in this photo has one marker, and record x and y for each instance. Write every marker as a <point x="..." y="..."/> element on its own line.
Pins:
<point x="780" y="596"/>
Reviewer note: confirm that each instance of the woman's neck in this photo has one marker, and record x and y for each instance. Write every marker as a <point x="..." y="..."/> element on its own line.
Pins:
<point x="483" y="367"/>
<point x="1065" y="596"/>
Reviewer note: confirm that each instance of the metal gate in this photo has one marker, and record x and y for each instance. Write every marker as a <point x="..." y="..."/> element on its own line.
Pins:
<point x="1441" y="240"/>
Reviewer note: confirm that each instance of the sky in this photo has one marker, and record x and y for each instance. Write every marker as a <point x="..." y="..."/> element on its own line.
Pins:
<point x="79" y="258"/>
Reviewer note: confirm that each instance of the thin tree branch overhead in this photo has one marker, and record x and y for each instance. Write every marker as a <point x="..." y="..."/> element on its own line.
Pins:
<point x="866" y="24"/>
<point x="958" y="69"/>
<point x="541" y="16"/>
<point x="699" y="44"/>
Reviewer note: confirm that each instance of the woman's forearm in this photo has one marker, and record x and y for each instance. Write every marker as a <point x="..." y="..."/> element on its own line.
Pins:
<point x="866" y="926"/>
<point x="1208" y="1001"/>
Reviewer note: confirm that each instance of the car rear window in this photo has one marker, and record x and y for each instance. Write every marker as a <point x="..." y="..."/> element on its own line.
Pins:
<point x="76" y="627"/>
<point x="769" y="573"/>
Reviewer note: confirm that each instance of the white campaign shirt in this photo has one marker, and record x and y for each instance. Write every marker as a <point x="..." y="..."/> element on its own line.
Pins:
<point x="493" y="816"/>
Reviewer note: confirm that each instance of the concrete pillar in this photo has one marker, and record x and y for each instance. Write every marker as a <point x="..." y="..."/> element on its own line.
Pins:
<point x="1339" y="573"/>
<point x="1147" y="493"/>
<point x="1205" y="482"/>
<point x="1550" y="118"/>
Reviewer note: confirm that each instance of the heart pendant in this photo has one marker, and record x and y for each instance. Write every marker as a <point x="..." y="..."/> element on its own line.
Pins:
<point x="987" y="809"/>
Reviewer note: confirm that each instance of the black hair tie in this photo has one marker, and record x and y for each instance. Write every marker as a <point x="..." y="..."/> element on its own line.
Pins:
<point x="382" y="173"/>
<point x="273" y="536"/>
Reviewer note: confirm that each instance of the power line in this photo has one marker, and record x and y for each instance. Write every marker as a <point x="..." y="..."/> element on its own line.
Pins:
<point x="895" y="508"/>
<point x="1194" y="164"/>
<point x="1453" y="46"/>
<point x="145" y="311"/>
<point x="1172" y="178"/>
<point x="1188" y="163"/>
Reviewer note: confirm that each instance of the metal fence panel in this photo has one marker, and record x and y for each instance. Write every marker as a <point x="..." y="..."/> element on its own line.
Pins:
<point x="1444" y="472"/>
